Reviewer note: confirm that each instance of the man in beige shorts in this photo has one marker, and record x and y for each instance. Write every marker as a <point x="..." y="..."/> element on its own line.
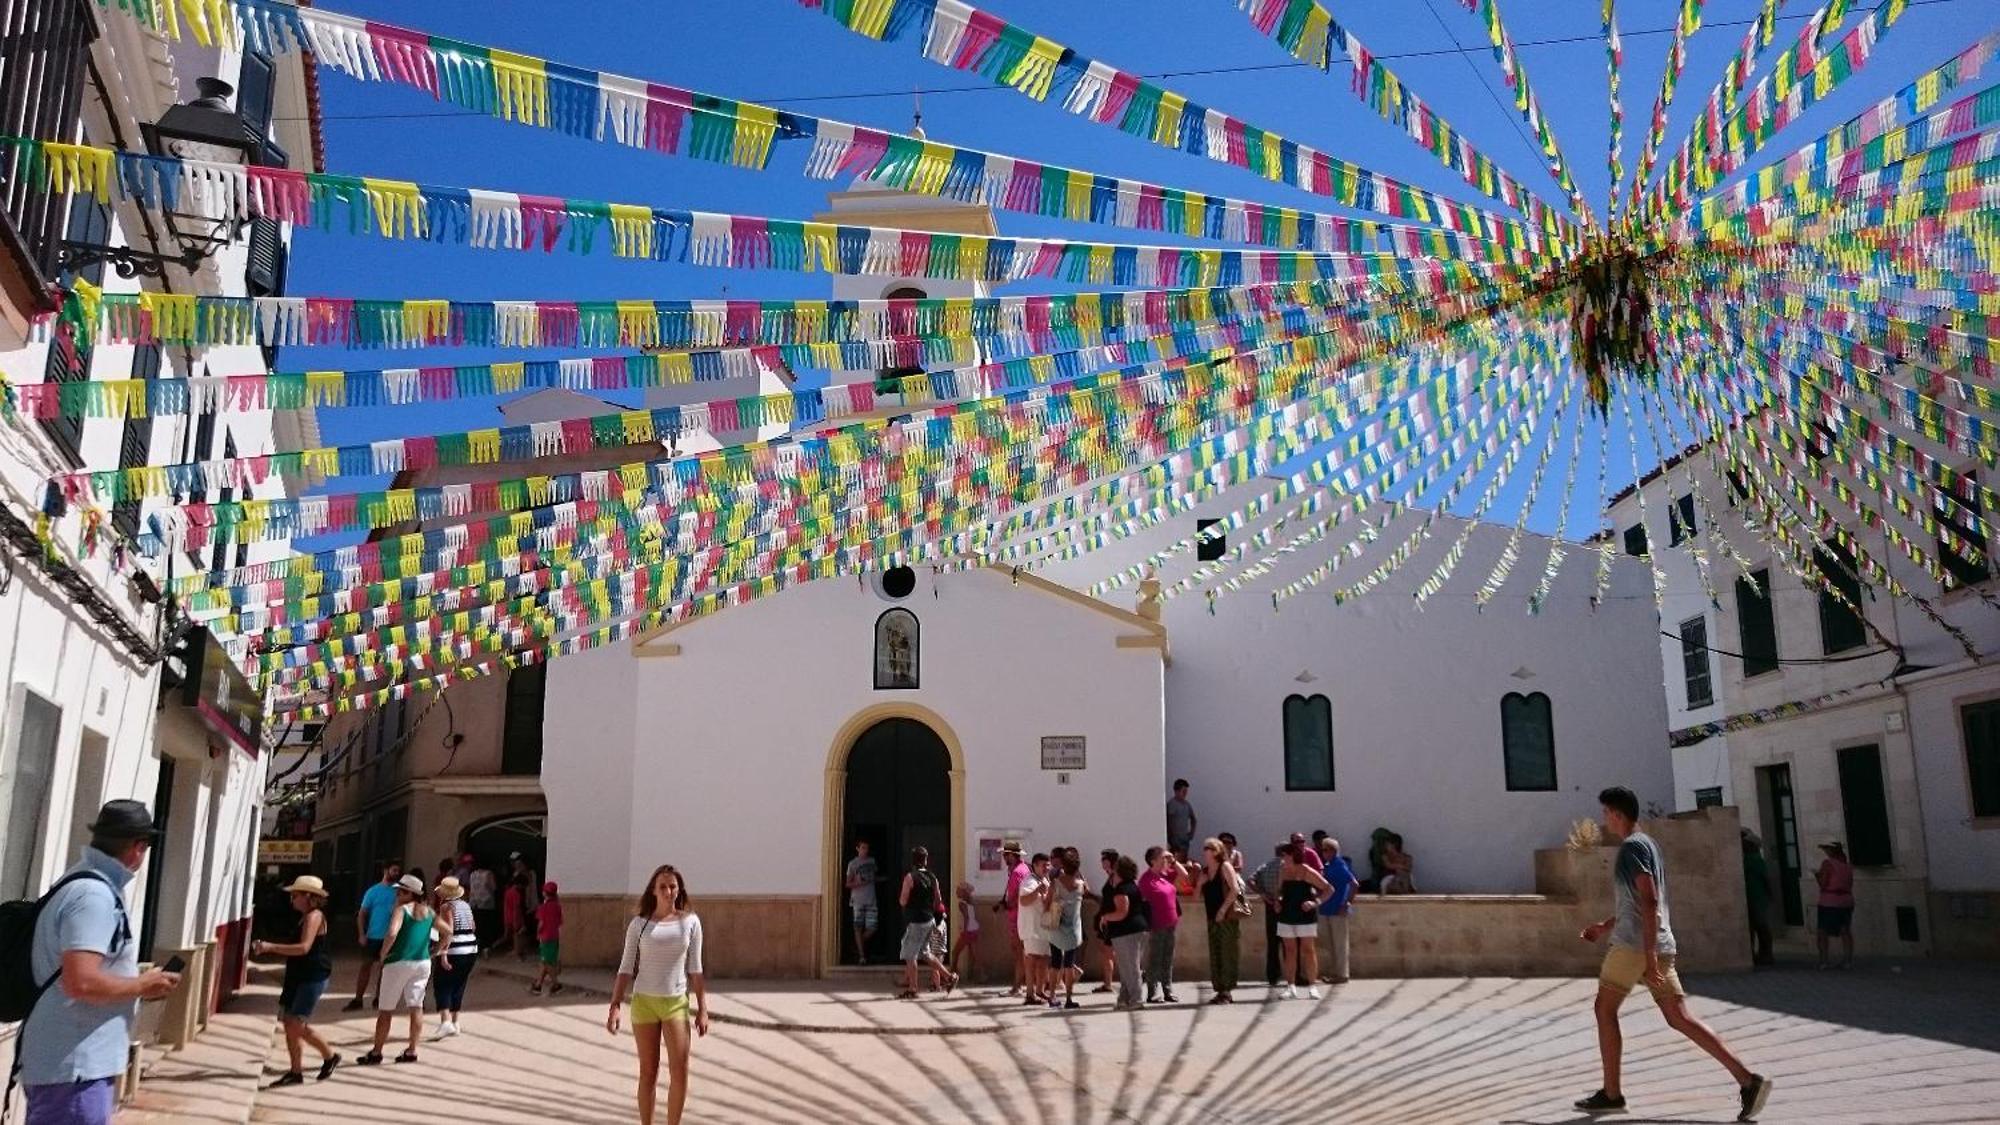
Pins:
<point x="1642" y="949"/>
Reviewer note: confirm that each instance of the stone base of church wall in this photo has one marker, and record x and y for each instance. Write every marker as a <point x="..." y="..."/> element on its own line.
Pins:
<point x="778" y="936"/>
<point x="1530" y="935"/>
<point x="745" y="937"/>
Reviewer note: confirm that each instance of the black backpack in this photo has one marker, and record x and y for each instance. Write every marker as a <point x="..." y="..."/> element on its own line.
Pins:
<point x="19" y="990"/>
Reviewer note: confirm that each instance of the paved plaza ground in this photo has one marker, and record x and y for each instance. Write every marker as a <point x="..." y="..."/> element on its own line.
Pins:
<point x="1879" y="1044"/>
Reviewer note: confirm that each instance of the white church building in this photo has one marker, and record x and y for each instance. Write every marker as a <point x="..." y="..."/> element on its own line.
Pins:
<point x="963" y="708"/>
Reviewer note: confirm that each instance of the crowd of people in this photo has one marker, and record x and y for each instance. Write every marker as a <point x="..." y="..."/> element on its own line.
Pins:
<point x="73" y="1042"/>
<point x="1052" y="913"/>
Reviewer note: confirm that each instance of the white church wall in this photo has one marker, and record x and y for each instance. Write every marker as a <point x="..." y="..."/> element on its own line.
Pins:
<point x="589" y="770"/>
<point x="1415" y="696"/>
<point x="731" y="738"/>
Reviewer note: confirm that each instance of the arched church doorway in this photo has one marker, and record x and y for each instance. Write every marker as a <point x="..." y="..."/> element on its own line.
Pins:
<point x="897" y="796"/>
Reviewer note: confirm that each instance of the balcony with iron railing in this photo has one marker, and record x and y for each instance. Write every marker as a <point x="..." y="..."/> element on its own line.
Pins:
<point x="44" y="64"/>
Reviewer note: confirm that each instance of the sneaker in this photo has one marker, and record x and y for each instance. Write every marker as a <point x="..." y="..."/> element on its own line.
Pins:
<point x="1168" y="996"/>
<point x="289" y="1078"/>
<point x="1312" y="993"/>
<point x="1291" y="992"/>
<point x="1754" y="1095"/>
<point x="1601" y="1102"/>
<point x="326" y="1068"/>
<point x="442" y="1033"/>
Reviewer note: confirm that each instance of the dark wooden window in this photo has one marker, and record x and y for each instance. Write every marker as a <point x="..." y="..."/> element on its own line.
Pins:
<point x="1865" y="805"/>
<point x="1680" y="521"/>
<point x="1308" y="742"/>
<point x="1211" y="549"/>
<point x="521" y="737"/>
<point x="219" y="546"/>
<point x="1635" y="541"/>
<point x="1528" y="741"/>
<point x="1694" y="662"/>
<point x="70" y="355"/>
<point x="1757" y="630"/>
<point x="1963" y="570"/>
<point x="135" y="444"/>
<point x="1982" y="755"/>
<point x="1840" y="628"/>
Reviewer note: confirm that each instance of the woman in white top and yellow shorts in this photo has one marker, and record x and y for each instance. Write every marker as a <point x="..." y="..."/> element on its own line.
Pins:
<point x="660" y="966"/>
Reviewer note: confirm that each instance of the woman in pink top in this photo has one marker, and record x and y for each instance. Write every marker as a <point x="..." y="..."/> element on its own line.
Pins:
<point x="1836" y="902"/>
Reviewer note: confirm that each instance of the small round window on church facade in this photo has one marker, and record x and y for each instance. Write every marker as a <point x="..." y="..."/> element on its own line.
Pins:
<point x="899" y="581"/>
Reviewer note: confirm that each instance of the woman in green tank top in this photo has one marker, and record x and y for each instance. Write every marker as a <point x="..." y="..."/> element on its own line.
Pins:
<point x="415" y="931"/>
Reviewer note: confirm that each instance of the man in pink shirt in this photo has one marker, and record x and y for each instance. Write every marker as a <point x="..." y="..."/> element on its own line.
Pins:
<point x="1308" y="853"/>
<point x="1011" y="902"/>
<point x="1163" y="914"/>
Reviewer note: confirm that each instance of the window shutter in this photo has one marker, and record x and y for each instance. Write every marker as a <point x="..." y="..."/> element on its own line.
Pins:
<point x="1528" y="741"/>
<point x="1308" y="742"/>
<point x="1755" y="626"/>
<point x="1866" y="806"/>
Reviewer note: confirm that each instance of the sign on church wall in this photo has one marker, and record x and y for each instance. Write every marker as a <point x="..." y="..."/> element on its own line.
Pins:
<point x="1062" y="751"/>
<point x="993" y="843"/>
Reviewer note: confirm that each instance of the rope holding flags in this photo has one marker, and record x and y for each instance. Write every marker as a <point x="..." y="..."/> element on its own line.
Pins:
<point x="1825" y="321"/>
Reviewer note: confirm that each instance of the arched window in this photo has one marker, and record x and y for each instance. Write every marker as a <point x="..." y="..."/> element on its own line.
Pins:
<point x="888" y="380"/>
<point x="896" y="650"/>
<point x="1308" y="742"/>
<point x="1528" y="739"/>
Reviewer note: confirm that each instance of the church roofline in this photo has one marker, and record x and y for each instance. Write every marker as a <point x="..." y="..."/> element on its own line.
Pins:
<point x="1151" y="634"/>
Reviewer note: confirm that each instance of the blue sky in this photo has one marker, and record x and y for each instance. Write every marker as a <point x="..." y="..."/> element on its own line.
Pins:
<point x="776" y="52"/>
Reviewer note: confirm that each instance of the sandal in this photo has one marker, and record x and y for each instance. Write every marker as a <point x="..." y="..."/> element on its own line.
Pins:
<point x="907" y="994"/>
<point x="950" y="982"/>
<point x="407" y="1057"/>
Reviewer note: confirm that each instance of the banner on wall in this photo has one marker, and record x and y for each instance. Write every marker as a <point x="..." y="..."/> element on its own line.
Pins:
<point x="994" y="841"/>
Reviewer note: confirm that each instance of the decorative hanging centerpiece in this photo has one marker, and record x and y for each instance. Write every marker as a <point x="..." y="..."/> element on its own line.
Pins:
<point x="1611" y="315"/>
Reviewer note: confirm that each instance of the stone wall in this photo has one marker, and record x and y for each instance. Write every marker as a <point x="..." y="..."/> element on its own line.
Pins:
<point x="776" y="936"/>
<point x="1962" y="924"/>
<point x="1533" y="935"/>
<point x="743" y="936"/>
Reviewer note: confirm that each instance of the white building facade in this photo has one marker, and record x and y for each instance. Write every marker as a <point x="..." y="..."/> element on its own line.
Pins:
<point x="1875" y="730"/>
<point x="86" y="717"/>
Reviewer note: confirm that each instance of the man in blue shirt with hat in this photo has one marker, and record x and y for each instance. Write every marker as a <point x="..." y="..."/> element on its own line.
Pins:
<point x="74" y="1044"/>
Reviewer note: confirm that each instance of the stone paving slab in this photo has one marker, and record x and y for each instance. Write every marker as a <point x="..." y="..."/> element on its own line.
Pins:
<point x="1867" y="1046"/>
<point x="215" y="1077"/>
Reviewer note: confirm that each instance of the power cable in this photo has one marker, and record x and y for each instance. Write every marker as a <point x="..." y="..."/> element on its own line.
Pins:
<point x="1245" y="68"/>
<point x="1780" y="659"/>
